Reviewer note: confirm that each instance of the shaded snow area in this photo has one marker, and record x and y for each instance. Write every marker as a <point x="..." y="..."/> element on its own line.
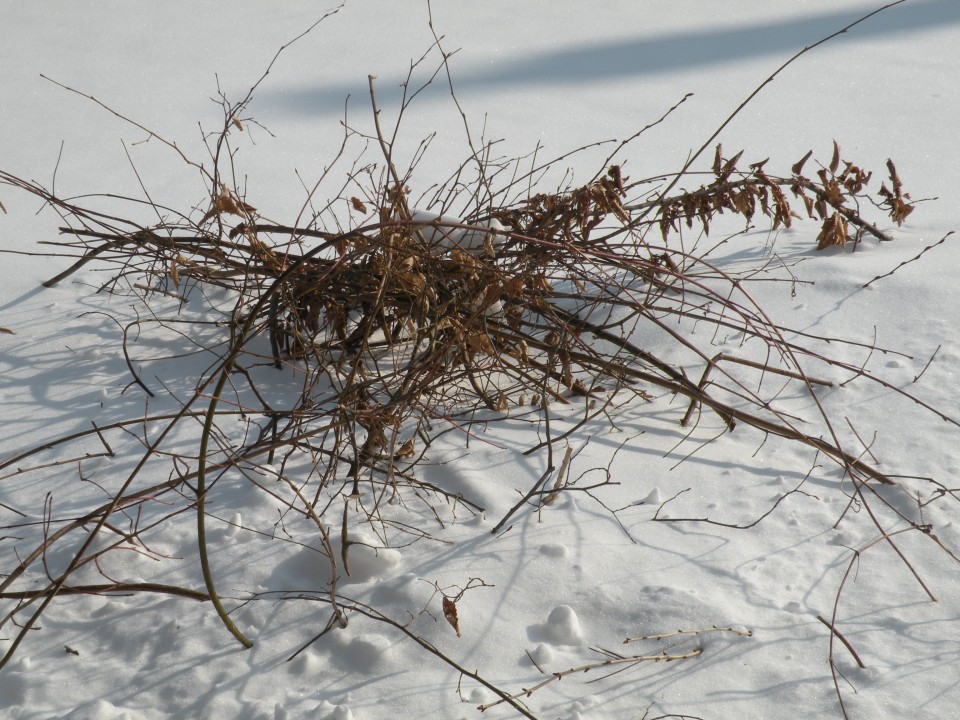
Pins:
<point x="683" y="559"/>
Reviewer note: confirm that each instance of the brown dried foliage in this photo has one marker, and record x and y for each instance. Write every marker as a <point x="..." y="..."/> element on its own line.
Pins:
<point x="403" y="326"/>
<point x="832" y="198"/>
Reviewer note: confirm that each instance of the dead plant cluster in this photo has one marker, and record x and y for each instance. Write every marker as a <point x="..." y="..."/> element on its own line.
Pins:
<point x="832" y="198"/>
<point x="411" y="321"/>
<point x="403" y="321"/>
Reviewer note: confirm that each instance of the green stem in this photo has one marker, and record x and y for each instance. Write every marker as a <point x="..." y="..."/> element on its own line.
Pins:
<point x="201" y="501"/>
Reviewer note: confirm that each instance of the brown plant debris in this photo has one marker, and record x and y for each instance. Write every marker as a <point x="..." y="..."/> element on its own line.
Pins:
<point x="450" y="614"/>
<point x="831" y="198"/>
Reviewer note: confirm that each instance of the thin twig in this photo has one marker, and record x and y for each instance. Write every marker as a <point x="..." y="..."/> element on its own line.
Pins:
<point x="841" y="638"/>
<point x="907" y="262"/>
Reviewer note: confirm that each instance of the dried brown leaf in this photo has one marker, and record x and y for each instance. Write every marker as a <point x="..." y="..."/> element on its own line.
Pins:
<point x="894" y="177"/>
<point x="358" y="205"/>
<point x="406" y="450"/>
<point x="783" y="212"/>
<point x="614" y="172"/>
<point x="833" y="232"/>
<point x="412" y="283"/>
<point x="450" y="614"/>
<point x="835" y="160"/>
<point x="488" y="249"/>
<point x="731" y="164"/>
<point x="225" y="203"/>
<point x="900" y="210"/>
<point x="579" y="388"/>
<point x="896" y="199"/>
<point x="820" y="206"/>
<point x="798" y="166"/>
<point x="479" y="342"/>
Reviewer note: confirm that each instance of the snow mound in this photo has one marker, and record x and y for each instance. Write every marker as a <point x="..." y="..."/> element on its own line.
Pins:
<point x="367" y="651"/>
<point x="446" y="238"/>
<point x="309" y="567"/>
<point x="542" y="654"/>
<point x="328" y="711"/>
<point x="563" y="626"/>
<point x="368" y="560"/>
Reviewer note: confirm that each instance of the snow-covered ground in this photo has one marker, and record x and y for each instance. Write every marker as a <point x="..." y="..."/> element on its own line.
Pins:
<point x="558" y="583"/>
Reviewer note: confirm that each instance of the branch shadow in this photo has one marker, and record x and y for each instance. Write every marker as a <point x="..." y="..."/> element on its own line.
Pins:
<point x="641" y="56"/>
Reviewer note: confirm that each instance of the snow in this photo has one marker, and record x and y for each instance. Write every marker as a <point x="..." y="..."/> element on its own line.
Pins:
<point x="441" y="231"/>
<point x="555" y="583"/>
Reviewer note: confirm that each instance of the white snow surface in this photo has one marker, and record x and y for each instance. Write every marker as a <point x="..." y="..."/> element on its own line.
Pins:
<point x="565" y="582"/>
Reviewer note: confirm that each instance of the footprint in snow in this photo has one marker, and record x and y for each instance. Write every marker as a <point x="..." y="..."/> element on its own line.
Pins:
<point x="554" y="550"/>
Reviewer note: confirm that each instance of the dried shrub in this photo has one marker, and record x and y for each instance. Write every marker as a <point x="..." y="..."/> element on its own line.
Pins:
<point x="409" y="321"/>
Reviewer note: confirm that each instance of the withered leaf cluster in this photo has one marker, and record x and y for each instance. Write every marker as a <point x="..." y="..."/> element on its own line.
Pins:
<point x="831" y="197"/>
<point x="572" y="215"/>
